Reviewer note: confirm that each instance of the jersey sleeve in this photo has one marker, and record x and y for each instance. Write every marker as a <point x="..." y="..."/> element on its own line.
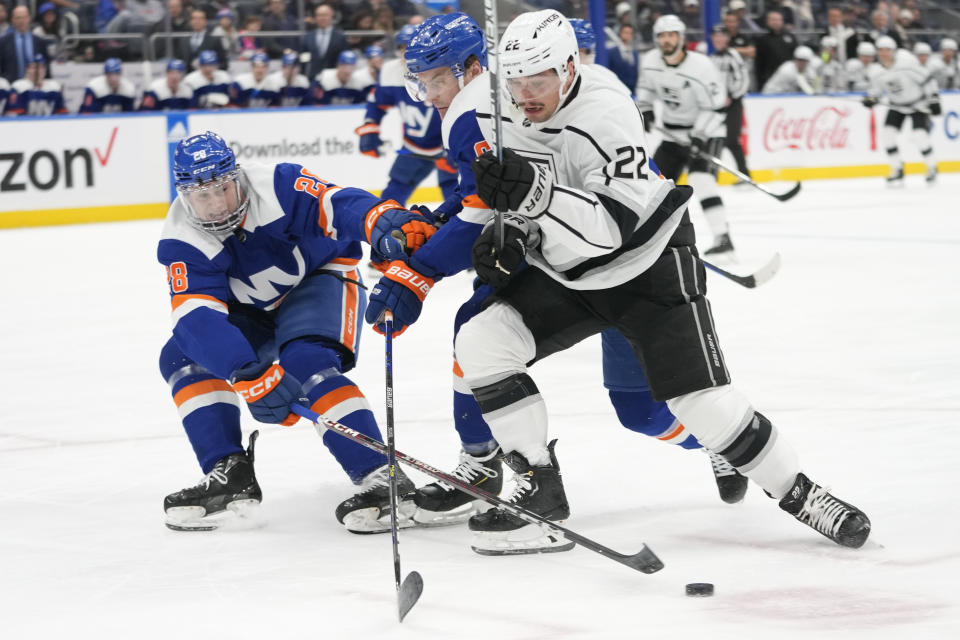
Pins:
<point x="199" y="291"/>
<point x="646" y="90"/>
<point x="91" y="103"/>
<point x="379" y="102"/>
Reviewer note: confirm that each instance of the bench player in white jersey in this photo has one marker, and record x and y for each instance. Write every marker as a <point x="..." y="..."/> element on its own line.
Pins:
<point x="911" y="92"/>
<point x="694" y="97"/>
<point x="857" y="71"/>
<point x="608" y="243"/>
<point x="949" y="77"/>
<point x="934" y="64"/>
<point x="794" y="76"/>
<point x="828" y="68"/>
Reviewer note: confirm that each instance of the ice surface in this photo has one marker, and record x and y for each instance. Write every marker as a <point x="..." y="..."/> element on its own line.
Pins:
<point x="851" y="350"/>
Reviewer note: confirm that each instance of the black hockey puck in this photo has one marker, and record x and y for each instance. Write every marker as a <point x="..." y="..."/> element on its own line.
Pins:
<point x="699" y="589"/>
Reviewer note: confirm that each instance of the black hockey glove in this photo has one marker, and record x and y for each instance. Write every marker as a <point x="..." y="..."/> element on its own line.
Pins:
<point x="697" y="145"/>
<point x="869" y="102"/>
<point x="648" y="120"/>
<point x="935" y="109"/>
<point x="514" y="184"/>
<point x="495" y="267"/>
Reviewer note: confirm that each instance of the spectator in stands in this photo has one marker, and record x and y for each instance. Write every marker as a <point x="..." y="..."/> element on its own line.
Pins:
<point x="325" y="43"/>
<point x="110" y="92"/>
<point x="739" y="40"/>
<point x="34" y="94"/>
<point x="179" y="19"/>
<point x="169" y="92"/>
<point x="227" y="32"/>
<point x="745" y="24"/>
<point x="200" y="39"/>
<point x="48" y="28"/>
<point x="106" y="11"/>
<point x="794" y="76"/>
<point x="844" y="35"/>
<point x="277" y="18"/>
<point x="5" y="26"/>
<point x="361" y="21"/>
<point x="774" y="47"/>
<point x="785" y="11"/>
<point x="19" y="48"/>
<point x="855" y="16"/>
<point x="881" y="27"/>
<point x="250" y="42"/>
<point x="137" y="16"/>
<point x="623" y="59"/>
<point x="384" y="20"/>
<point x="4" y="93"/>
<point x="294" y="86"/>
<point x="256" y="89"/>
<point x="339" y="85"/>
<point x="691" y="17"/>
<point x="904" y="26"/>
<point x="210" y="85"/>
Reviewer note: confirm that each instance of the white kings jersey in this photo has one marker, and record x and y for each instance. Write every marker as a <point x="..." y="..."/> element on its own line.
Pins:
<point x="939" y="71"/>
<point x="857" y="76"/>
<point x="693" y="94"/>
<point x="830" y="76"/>
<point x="605" y="195"/>
<point x="907" y="85"/>
<point x="788" y="79"/>
<point x="734" y="71"/>
<point x="946" y="73"/>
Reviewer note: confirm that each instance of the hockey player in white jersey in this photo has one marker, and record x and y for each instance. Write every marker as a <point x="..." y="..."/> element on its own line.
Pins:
<point x="794" y="76"/>
<point x="949" y="77"/>
<point x="694" y="97"/>
<point x="593" y="238"/>
<point x="934" y="64"/>
<point x="828" y="68"/>
<point x="912" y="93"/>
<point x="858" y="70"/>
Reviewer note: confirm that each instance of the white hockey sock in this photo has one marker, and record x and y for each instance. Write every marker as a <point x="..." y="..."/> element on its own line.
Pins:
<point x="522" y="427"/>
<point x="705" y="188"/>
<point x="922" y="139"/>
<point x="888" y="137"/>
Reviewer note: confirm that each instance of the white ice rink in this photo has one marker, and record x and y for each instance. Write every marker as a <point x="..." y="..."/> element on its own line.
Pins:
<point x="852" y="350"/>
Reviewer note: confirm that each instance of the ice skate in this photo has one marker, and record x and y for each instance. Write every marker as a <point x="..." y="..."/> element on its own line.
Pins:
<point x="812" y="505"/>
<point x="730" y="483"/>
<point x="368" y="511"/>
<point x="230" y="491"/>
<point x="538" y="489"/>
<point x="440" y="504"/>
<point x="722" y="248"/>
<point x="895" y="179"/>
<point x="931" y="176"/>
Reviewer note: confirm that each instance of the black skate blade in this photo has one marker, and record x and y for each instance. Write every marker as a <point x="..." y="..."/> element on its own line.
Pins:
<point x="175" y="527"/>
<point x="409" y="593"/>
<point x="522" y="552"/>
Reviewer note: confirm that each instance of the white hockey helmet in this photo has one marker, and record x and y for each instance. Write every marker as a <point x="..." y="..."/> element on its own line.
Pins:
<point x="535" y="42"/>
<point x="828" y="42"/>
<point x="866" y="49"/>
<point x="922" y="49"/>
<point x="886" y="42"/>
<point x="667" y="23"/>
<point x="948" y="43"/>
<point x="803" y="52"/>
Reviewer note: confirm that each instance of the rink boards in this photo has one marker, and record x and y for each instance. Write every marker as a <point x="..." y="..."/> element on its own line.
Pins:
<point x="71" y="169"/>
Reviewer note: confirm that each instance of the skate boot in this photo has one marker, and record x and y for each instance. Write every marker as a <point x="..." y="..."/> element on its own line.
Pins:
<point x="440" y="504"/>
<point x="368" y="511"/>
<point x="895" y="179"/>
<point x="722" y="248"/>
<point x="229" y="492"/>
<point x="931" y="176"/>
<point x="730" y="483"/>
<point x="810" y="503"/>
<point x="497" y="532"/>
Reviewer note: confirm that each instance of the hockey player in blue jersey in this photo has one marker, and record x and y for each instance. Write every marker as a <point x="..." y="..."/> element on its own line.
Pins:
<point x="169" y="92"/>
<point x="340" y="85"/>
<point x="255" y="89"/>
<point x="267" y="303"/>
<point x="34" y="94"/>
<point x="209" y="83"/>
<point x="446" y="61"/>
<point x="110" y="92"/>
<point x="294" y="87"/>
<point x="421" y="131"/>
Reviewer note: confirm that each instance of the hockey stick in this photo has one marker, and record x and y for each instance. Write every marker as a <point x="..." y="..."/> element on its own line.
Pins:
<point x="782" y="197"/>
<point x="491" y="30"/>
<point x="644" y="560"/>
<point x="755" y="279"/>
<point x="409" y="591"/>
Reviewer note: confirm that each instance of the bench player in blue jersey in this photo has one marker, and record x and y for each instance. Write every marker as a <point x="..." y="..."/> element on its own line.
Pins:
<point x="339" y="85"/>
<point x="34" y="94"/>
<point x="110" y="92"/>
<point x="422" y="143"/>
<point x="256" y="89"/>
<point x="168" y="92"/>
<point x="294" y="87"/>
<point x="446" y="61"/>
<point x="267" y="304"/>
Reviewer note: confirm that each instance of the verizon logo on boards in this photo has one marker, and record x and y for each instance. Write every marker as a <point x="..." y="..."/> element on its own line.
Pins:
<point x="46" y="169"/>
<point x="827" y="129"/>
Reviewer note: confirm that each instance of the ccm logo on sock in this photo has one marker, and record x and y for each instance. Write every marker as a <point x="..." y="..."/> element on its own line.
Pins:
<point x="400" y="272"/>
<point x="253" y="390"/>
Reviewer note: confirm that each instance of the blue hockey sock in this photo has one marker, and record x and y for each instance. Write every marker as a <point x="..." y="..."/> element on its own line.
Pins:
<point x="639" y="412"/>
<point x="475" y="435"/>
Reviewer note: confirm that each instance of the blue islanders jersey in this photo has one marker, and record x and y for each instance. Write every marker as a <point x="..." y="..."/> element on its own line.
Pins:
<point x="421" y="121"/>
<point x="209" y="93"/>
<point x="29" y="100"/>
<point x="295" y="224"/>
<point x="327" y="89"/>
<point x="4" y="94"/>
<point x="98" y="97"/>
<point x="247" y="92"/>
<point x="294" y="94"/>
<point x="159" y="97"/>
<point x="448" y="250"/>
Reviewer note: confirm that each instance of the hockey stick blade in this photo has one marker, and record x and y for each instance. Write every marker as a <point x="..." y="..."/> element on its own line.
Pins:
<point x="408" y="593"/>
<point x="783" y="197"/>
<point x="645" y="560"/>
<point x="755" y="279"/>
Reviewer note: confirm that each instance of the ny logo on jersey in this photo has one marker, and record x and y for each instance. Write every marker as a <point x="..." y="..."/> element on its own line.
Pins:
<point x="265" y="283"/>
<point x="415" y="119"/>
<point x="39" y="108"/>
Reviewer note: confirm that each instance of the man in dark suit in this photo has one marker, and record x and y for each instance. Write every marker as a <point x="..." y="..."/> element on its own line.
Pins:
<point x="324" y="43"/>
<point x="277" y="18"/>
<point x="188" y="48"/>
<point x="773" y="48"/>
<point x="19" y="47"/>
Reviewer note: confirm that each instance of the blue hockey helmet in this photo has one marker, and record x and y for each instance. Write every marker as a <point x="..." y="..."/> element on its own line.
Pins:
<point x="260" y="57"/>
<point x="290" y="58"/>
<point x="206" y="175"/>
<point x="347" y="57"/>
<point x="586" y="38"/>
<point x="445" y="40"/>
<point x="112" y="65"/>
<point x="373" y="51"/>
<point x="176" y="64"/>
<point x="405" y="34"/>
<point x="208" y="57"/>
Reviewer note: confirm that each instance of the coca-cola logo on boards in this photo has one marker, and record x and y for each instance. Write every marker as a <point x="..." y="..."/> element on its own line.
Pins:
<point x="826" y="129"/>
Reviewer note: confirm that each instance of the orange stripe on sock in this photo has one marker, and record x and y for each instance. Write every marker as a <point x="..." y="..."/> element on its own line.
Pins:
<point x="673" y="433"/>
<point x="329" y="400"/>
<point x="199" y="388"/>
